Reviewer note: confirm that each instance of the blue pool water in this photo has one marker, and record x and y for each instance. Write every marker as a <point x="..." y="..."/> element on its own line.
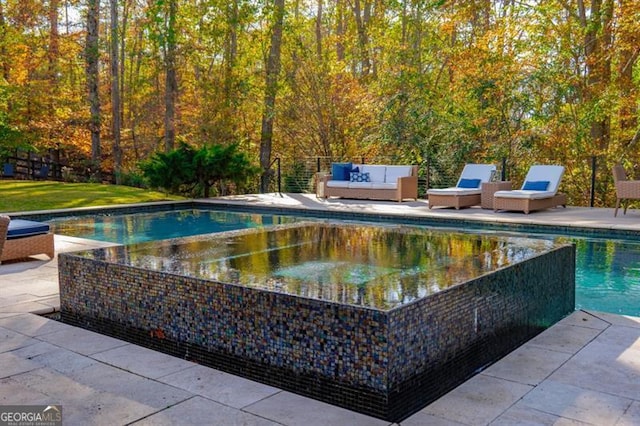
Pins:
<point x="607" y="271"/>
<point x="153" y="226"/>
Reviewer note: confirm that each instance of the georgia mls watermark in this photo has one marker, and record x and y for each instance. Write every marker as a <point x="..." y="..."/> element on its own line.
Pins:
<point x="30" y="415"/>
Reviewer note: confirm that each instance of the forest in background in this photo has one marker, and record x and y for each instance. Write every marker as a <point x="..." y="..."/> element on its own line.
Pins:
<point x="111" y="82"/>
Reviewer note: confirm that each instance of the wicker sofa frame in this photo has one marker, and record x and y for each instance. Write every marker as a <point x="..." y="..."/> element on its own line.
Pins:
<point x="527" y="205"/>
<point x="406" y="188"/>
<point x="19" y="248"/>
<point x="454" y="200"/>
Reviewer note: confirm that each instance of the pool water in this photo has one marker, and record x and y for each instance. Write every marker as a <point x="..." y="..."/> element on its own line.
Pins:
<point x="153" y="226"/>
<point x="607" y="271"/>
<point x="372" y="265"/>
<point x="608" y="276"/>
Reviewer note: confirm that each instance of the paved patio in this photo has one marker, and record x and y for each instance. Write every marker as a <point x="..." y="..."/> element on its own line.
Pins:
<point x="583" y="370"/>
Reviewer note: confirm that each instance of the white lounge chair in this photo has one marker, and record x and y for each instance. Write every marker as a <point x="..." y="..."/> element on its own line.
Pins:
<point x="539" y="191"/>
<point x="467" y="191"/>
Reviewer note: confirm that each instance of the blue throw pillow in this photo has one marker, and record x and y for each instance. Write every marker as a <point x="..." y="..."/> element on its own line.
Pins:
<point x="341" y="171"/>
<point x="536" y="185"/>
<point x="469" y="183"/>
<point x="360" y="177"/>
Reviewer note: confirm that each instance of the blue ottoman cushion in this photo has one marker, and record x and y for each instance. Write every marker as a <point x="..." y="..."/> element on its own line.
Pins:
<point x="25" y="228"/>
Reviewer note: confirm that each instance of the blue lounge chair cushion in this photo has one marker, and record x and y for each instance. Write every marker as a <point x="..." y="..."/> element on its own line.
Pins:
<point x="341" y="171"/>
<point x="469" y="183"/>
<point x="25" y="228"/>
<point x="536" y="185"/>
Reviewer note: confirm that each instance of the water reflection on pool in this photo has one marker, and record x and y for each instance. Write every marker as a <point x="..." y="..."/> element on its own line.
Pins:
<point x="375" y="266"/>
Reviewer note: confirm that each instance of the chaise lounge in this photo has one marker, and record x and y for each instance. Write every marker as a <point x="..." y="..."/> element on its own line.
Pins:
<point x="23" y="238"/>
<point x="467" y="191"/>
<point x="539" y="191"/>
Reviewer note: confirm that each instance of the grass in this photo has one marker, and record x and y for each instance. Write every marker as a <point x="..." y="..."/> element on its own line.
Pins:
<point x="23" y="195"/>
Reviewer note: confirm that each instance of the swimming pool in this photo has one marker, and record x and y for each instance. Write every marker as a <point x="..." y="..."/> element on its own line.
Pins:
<point x="607" y="271"/>
<point x="377" y="318"/>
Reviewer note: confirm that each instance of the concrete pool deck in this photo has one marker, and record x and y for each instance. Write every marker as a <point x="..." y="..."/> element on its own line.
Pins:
<point x="583" y="370"/>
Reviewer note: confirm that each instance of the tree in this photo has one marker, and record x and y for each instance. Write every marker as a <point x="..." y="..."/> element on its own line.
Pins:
<point x="189" y="171"/>
<point x="171" y="82"/>
<point x="219" y="164"/>
<point x="92" y="56"/>
<point x="171" y="170"/>
<point x="115" y="92"/>
<point x="271" y="89"/>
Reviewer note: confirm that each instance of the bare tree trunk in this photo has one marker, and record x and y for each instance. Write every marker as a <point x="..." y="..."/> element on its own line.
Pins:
<point x="231" y="49"/>
<point x="597" y="42"/>
<point x="134" y="75"/>
<point x="171" y="82"/>
<point x="340" y="30"/>
<point x="92" y="55"/>
<point x="268" y="115"/>
<point x="319" y="29"/>
<point x="363" y="39"/>
<point x="53" y="55"/>
<point x="3" y="49"/>
<point x="54" y="37"/>
<point x="115" y="92"/>
<point x="123" y="46"/>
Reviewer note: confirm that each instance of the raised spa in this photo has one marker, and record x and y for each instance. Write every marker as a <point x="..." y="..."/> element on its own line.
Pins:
<point x="377" y="319"/>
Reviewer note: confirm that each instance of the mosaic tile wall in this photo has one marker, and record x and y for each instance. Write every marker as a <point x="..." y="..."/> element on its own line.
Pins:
<point x="387" y="364"/>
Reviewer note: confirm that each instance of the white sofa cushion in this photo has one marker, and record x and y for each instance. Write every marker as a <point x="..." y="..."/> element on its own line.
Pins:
<point x="338" y="183"/>
<point x="360" y="185"/>
<point x="394" y="172"/>
<point x="376" y="172"/>
<point x="378" y="185"/>
<point x="454" y="191"/>
<point x="520" y="193"/>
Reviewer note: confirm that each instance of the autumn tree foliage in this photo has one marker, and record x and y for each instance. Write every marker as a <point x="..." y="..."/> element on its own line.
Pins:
<point x="426" y="82"/>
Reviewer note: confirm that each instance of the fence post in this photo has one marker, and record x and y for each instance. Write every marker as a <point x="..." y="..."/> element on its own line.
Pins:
<point x="428" y="174"/>
<point x="279" y="177"/>
<point x="593" y="180"/>
<point x="318" y="164"/>
<point x="503" y="172"/>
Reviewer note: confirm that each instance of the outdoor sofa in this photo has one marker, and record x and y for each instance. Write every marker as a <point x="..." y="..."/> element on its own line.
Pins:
<point x="370" y="182"/>
<point x="24" y="238"/>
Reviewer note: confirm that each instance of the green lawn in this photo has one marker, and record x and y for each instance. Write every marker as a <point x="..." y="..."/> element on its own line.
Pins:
<point x="23" y="195"/>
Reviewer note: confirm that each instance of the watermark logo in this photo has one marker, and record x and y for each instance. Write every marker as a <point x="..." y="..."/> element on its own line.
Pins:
<point x="30" y="415"/>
